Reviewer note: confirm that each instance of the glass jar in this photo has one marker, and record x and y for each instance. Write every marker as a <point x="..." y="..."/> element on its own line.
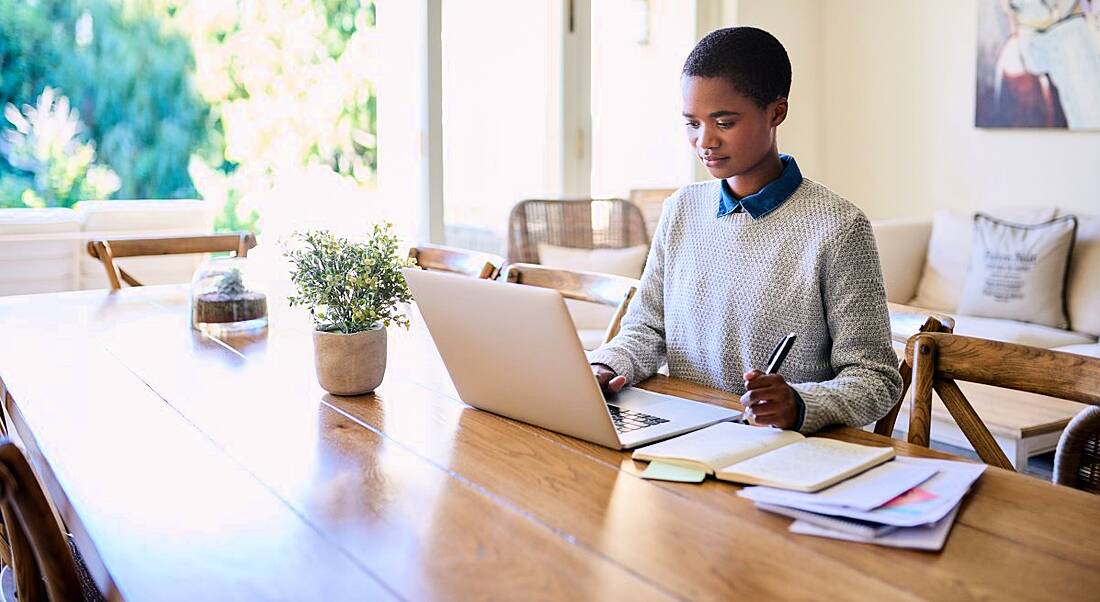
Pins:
<point x="225" y="299"/>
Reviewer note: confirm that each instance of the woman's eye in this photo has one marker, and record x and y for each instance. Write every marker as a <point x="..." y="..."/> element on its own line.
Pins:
<point x="725" y="124"/>
<point x="692" y="124"/>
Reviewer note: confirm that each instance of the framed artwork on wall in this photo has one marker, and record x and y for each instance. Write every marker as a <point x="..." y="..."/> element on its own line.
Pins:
<point x="1038" y="64"/>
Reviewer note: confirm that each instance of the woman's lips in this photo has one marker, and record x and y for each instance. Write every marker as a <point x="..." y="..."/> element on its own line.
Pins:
<point x="713" y="161"/>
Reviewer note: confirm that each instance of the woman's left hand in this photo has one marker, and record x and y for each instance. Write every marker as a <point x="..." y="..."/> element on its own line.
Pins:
<point x="769" y="400"/>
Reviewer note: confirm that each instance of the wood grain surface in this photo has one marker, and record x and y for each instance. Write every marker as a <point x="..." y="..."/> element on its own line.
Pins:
<point x="1021" y="367"/>
<point x="195" y="468"/>
<point x="457" y="261"/>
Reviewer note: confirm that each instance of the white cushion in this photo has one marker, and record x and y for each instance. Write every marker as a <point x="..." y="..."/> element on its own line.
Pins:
<point x="944" y="271"/>
<point x="590" y="338"/>
<point x="33" y="221"/>
<point x="590" y="316"/>
<point x="155" y="218"/>
<point x="620" y="262"/>
<point x="38" y="266"/>
<point x="1011" y="331"/>
<point x="1083" y="284"/>
<point x="1089" y="350"/>
<point x="140" y="216"/>
<point x="1019" y="272"/>
<point x="902" y="246"/>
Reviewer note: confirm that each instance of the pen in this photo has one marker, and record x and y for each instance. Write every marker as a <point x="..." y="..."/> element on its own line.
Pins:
<point x="775" y="362"/>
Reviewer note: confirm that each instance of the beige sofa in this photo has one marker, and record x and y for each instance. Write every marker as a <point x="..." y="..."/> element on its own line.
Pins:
<point x="920" y="263"/>
<point x="42" y="250"/>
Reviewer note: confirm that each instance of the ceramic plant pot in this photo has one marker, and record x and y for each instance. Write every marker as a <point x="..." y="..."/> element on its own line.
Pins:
<point x="350" y="364"/>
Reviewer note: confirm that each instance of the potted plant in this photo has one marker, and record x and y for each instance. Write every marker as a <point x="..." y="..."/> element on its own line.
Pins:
<point x="352" y="290"/>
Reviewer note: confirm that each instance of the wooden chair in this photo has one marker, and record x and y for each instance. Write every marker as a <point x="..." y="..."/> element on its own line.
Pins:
<point x="106" y="251"/>
<point x="605" y="289"/>
<point x="906" y="321"/>
<point x="1077" y="459"/>
<point x="457" y="261"/>
<point x="581" y="224"/>
<point x="42" y="562"/>
<point x="939" y="359"/>
<point x="651" y="201"/>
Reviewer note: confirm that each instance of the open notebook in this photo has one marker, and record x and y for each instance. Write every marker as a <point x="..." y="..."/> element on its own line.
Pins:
<point x="763" y="456"/>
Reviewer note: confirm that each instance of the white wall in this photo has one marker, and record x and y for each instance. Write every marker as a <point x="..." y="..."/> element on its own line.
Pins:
<point x="501" y="112"/>
<point x="899" y="119"/>
<point x="797" y="24"/>
<point x="895" y="122"/>
<point x="638" y="138"/>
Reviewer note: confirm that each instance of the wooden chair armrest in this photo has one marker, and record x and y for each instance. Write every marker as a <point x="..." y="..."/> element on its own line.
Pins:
<point x="1014" y="366"/>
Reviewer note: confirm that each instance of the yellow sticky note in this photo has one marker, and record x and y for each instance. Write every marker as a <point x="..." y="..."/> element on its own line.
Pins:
<point x="671" y="472"/>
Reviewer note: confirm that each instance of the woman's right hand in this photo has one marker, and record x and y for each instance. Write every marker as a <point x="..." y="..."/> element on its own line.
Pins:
<point x="609" y="381"/>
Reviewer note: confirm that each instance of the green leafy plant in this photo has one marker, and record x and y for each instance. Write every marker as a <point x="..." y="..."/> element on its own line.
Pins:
<point x="129" y="72"/>
<point x="229" y="219"/>
<point x="232" y="284"/>
<point x="54" y="167"/>
<point x="250" y="90"/>
<point x="350" y="286"/>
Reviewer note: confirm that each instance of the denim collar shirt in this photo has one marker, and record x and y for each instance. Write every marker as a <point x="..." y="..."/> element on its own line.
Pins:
<point x="768" y="198"/>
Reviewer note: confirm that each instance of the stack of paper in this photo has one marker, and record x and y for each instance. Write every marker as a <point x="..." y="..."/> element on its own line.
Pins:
<point x="909" y="503"/>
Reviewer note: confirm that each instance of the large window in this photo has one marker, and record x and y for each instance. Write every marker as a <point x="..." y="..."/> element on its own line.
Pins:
<point x="575" y="98"/>
<point x="402" y="89"/>
<point x="638" y="49"/>
<point x="335" y="114"/>
<point x="501" y="113"/>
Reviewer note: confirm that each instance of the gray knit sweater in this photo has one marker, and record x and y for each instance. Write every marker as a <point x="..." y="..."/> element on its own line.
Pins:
<point x="718" y="293"/>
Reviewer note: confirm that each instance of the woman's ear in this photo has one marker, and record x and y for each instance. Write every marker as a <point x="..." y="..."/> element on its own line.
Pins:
<point x="777" y="111"/>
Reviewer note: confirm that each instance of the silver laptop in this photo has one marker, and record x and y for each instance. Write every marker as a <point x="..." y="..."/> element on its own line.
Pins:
<point x="512" y="350"/>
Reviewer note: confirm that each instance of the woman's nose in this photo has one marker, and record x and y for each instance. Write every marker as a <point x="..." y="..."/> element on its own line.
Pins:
<point x="708" y="139"/>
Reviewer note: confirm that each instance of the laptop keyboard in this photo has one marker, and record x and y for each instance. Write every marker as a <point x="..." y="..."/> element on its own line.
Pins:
<point x="629" y="420"/>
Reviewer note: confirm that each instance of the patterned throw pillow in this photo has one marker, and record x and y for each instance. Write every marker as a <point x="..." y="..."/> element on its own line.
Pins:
<point x="944" y="272"/>
<point x="1018" y="272"/>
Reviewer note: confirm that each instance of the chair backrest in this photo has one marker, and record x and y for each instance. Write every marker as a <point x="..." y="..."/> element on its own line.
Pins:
<point x="651" y="201"/>
<point x="905" y="323"/>
<point x="939" y="359"/>
<point x="580" y="223"/>
<point x="1077" y="459"/>
<point x="41" y="559"/>
<point x="106" y="251"/>
<point x="605" y="289"/>
<point x="457" y="261"/>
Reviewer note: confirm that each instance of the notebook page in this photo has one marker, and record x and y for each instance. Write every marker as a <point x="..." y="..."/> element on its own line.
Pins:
<point x="808" y="465"/>
<point x="717" y="445"/>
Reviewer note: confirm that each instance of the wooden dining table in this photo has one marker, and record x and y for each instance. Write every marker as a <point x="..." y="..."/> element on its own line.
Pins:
<point x="190" y="467"/>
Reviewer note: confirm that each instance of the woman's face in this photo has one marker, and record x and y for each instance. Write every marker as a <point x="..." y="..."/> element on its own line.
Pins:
<point x="729" y="132"/>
